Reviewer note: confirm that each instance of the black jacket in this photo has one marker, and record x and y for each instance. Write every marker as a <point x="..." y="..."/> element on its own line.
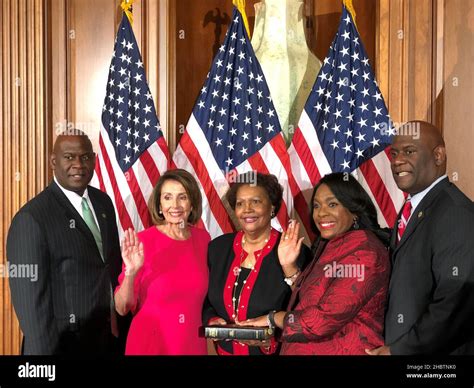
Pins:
<point x="67" y="310"/>
<point x="269" y="293"/>
<point x="431" y="294"/>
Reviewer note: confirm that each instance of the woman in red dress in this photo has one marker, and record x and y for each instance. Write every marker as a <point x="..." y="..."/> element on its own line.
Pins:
<point x="337" y="304"/>
<point x="164" y="281"/>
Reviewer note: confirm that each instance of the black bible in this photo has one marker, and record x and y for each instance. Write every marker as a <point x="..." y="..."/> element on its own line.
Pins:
<point x="237" y="332"/>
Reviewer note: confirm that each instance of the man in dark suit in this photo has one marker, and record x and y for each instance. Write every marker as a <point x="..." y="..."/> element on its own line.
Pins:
<point x="431" y="294"/>
<point x="69" y="233"/>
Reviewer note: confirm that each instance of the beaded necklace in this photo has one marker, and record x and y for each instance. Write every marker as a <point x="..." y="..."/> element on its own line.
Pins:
<point x="235" y="298"/>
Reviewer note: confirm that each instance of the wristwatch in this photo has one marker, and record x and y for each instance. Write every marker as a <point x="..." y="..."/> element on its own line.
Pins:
<point x="271" y="321"/>
<point x="290" y="280"/>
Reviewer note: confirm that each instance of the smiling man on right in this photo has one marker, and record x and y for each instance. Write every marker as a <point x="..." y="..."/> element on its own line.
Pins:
<point x="430" y="306"/>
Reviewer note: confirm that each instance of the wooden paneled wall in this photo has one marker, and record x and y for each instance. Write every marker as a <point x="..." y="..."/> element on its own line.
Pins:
<point x="82" y="34"/>
<point x="425" y="52"/>
<point x="55" y="54"/>
<point x="23" y="136"/>
<point x="456" y="94"/>
<point x="406" y="52"/>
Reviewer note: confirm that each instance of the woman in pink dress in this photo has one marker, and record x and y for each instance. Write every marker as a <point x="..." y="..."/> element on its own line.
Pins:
<point x="165" y="276"/>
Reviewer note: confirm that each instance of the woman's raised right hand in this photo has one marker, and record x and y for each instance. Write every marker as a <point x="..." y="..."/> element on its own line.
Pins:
<point x="132" y="252"/>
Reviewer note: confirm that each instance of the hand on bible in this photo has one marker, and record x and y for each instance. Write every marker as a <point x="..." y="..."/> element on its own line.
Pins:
<point x="217" y="321"/>
<point x="259" y="321"/>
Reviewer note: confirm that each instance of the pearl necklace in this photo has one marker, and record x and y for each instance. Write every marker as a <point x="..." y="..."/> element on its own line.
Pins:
<point x="239" y="270"/>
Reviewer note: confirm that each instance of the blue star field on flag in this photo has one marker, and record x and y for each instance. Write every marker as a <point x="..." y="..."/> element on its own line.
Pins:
<point x="234" y="108"/>
<point x="346" y="106"/>
<point x="128" y="114"/>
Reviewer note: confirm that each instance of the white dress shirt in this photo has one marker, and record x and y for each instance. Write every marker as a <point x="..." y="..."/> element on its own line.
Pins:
<point x="76" y="201"/>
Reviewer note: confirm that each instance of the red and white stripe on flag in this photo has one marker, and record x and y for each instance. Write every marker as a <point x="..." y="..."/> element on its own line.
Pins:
<point x="132" y="150"/>
<point x="131" y="190"/>
<point x="194" y="155"/>
<point x="309" y="165"/>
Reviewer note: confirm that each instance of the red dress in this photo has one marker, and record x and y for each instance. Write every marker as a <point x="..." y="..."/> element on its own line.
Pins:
<point x="171" y="288"/>
<point x="341" y="299"/>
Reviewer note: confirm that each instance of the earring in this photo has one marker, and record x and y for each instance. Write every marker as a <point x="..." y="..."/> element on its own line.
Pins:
<point x="355" y="225"/>
<point x="160" y="212"/>
<point x="273" y="213"/>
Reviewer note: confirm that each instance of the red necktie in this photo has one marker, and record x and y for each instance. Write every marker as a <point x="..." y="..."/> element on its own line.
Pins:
<point x="402" y="223"/>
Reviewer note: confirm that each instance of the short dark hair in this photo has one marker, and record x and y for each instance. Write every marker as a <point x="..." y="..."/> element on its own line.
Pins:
<point x="354" y="198"/>
<point x="268" y="182"/>
<point x="192" y="190"/>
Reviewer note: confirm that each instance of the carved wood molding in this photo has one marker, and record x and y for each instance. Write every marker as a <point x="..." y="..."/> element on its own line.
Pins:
<point x="167" y="71"/>
<point x="23" y="141"/>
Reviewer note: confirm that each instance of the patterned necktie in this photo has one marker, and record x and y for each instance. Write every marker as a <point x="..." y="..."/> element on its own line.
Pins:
<point x="90" y="221"/>
<point x="402" y="223"/>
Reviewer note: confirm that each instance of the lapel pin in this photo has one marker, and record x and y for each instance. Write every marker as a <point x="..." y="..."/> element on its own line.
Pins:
<point x="103" y="215"/>
<point x="420" y="214"/>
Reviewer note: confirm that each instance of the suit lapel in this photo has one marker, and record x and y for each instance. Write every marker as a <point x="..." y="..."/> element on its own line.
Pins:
<point x="416" y="219"/>
<point x="419" y="215"/>
<point x="393" y="236"/>
<point x="71" y="213"/>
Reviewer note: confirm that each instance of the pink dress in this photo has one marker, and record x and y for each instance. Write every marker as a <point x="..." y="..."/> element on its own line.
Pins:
<point x="171" y="288"/>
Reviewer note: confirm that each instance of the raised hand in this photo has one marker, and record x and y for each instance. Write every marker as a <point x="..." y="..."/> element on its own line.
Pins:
<point x="290" y="246"/>
<point x="132" y="253"/>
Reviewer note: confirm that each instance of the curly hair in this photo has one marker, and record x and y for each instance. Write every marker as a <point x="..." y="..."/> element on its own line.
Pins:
<point x="268" y="182"/>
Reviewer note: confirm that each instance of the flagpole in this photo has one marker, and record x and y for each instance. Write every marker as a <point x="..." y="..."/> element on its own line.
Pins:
<point x="350" y="8"/>
<point x="240" y="4"/>
<point x="127" y="8"/>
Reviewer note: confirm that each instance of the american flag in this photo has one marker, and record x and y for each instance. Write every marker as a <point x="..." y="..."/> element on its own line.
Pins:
<point x="233" y="129"/>
<point x="132" y="150"/>
<point x="345" y="127"/>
